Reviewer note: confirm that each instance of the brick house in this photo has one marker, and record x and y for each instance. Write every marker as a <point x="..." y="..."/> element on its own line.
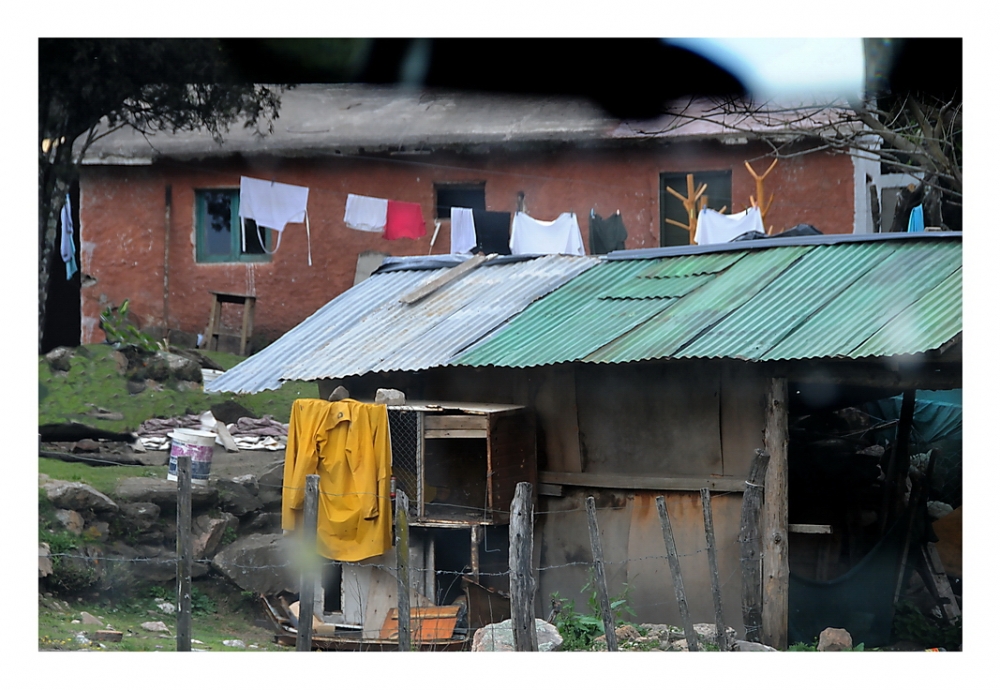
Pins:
<point x="147" y="203"/>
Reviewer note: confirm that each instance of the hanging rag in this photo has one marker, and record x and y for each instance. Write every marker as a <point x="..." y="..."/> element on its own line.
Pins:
<point x="347" y="444"/>
<point x="607" y="234"/>
<point x="492" y="231"/>
<point x="916" y="223"/>
<point x="67" y="248"/>
<point x="559" y="236"/>
<point x="403" y="220"/>
<point x="273" y="205"/>
<point x="716" y="228"/>
<point x="463" y="230"/>
<point x="365" y="213"/>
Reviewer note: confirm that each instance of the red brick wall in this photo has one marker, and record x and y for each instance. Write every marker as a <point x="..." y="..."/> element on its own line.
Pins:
<point x="123" y="222"/>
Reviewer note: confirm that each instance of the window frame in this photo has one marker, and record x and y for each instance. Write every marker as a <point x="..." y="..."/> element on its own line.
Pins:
<point x="476" y="187"/>
<point x="235" y="255"/>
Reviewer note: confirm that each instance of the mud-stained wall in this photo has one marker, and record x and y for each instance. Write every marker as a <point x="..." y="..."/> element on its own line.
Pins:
<point x="660" y="419"/>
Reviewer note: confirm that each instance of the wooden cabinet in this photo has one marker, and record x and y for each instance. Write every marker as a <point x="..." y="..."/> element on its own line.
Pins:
<point x="460" y="462"/>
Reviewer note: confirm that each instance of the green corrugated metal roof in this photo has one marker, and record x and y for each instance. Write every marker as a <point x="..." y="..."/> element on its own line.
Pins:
<point x="850" y="299"/>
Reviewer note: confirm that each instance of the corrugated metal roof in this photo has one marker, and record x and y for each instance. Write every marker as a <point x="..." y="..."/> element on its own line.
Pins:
<point x="368" y="329"/>
<point x="759" y="301"/>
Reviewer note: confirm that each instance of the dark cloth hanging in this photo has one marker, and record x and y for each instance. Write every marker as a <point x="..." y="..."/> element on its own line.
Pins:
<point x="492" y="232"/>
<point x="607" y="234"/>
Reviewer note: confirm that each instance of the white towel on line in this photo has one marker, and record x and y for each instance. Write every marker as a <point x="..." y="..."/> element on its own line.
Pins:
<point x="272" y="204"/>
<point x="559" y="236"/>
<point x="463" y="230"/>
<point x="365" y="213"/>
<point x="716" y="228"/>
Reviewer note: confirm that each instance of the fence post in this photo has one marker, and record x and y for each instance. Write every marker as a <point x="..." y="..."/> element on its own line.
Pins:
<point x="750" y="545"/>
<point x="184" y="553"/>
<point x="307" y="586"/>
<point x="675" y="574"/>
<point x="774" y="614"/>
<point x="402" y="570"/>
<point x="721" y="638"/>
<point x="522" y="584"/>
<point x="599" y="579"/>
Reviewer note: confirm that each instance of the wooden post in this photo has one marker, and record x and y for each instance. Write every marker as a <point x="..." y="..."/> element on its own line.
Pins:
<point x="307" y="586"/>
<point x="402" y="569"/>
<point x="184" y="553"/>
<point x="774" y="617"/>
<point x="759" y="179"/>
<point x="522" y="583"/>
<point x="599" y="579"/>
<point x="675" y="574"/>
<point x="721" y="638"/>
<point x="899" y="464"/>
<point x="750" y="545"/>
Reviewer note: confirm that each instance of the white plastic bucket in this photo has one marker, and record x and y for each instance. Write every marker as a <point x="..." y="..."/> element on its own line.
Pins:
<point x="197" y="445"/>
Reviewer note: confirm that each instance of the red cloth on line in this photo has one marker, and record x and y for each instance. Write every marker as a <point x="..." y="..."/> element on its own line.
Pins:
<point x="403" y="219"/>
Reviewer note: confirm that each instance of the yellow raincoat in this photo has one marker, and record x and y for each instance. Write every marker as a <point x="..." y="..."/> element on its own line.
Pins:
<point x="347" y="444"/>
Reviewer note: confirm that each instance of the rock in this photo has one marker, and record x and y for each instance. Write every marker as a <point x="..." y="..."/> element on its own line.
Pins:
<point x="937" y="510"/>
<point x="164" y="365"/>
<point x="389" y="396"/>
<point x="97" y="531"/>
<point x="230" y="412"/>
<point x="167" y="608"/>
<point x="155" y="626"/>
<point x="265" y="523"/>
<point x="159" y="564"/>
<point x="236" y="643"/>
<point x="207" y="533"/>
<point x="257" y="563"/>
<point x="161" y="491"/>
<point x="86" y="445"/>
<point x="44" y="562"/>
<point x="59" y="359"/>
<point x="499" y="637"/>
<point x="135" y="386"/>
<point x="236" y="498"/>
<point x="269" y="485"/>
<point x="339" y="393"/>
<point x="88" y="619"/>
<point x="77" y="496"/>
<point x="706" y="633"/>
<point x="745" y="646"/>
<point x="139" y="517"/>
<point x="71" y="520"/>
<point x="81" y="638"/>
<point x="247" y="480"/>
<point x="835" y="640"/>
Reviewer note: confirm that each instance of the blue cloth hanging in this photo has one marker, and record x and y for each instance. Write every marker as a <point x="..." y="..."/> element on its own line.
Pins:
<point x="916" y="220"/>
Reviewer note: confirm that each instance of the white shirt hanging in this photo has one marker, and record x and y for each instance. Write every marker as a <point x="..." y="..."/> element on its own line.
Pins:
<point x="559" y="236"/>
<point x="716" y="228"/>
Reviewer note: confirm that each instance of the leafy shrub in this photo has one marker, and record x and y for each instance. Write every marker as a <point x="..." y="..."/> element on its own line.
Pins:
<point x="909" y="623"/>
<point x="579" y="630"/>
<point x="119" y="332"/>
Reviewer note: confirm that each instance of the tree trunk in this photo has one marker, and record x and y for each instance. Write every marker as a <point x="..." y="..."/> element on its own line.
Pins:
<point x="54" y="178"/>
<point x="932" y="205"/>
<point x="906" y="200"/>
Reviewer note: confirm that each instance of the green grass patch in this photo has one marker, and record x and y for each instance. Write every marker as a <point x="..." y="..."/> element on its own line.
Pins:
<point x="96" y="378"/>
<point x="102" y="478"/>
<point x="223" y="614"/>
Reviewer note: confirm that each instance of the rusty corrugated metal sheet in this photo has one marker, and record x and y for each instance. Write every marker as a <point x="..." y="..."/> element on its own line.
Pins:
<point x="368" y="329"/>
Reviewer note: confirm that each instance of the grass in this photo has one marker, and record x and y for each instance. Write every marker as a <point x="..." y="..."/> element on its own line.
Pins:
<point x="101" y="478"/>
<point x="231" y="620"/>
<point x="95" y="379"/>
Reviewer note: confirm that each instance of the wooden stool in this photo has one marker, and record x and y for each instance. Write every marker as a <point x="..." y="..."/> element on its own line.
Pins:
<point x="215" y="319"/>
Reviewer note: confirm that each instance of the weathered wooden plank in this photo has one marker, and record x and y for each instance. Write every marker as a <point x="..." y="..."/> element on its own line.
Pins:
<point x="402" y="571"/>
<point x="184" y="553"/>
<point x="455" y="433"/>
<point x="455" y="421"/>
<point x="448" y="276"/>
<point x="774" y="616"/>
<point x="310" y="513"/>
<point x="721" y="639"/>
<point x="675" y="574"/>
<point x="522" y="581"/>
<point x="811" y="529"/>
<point x="600" y="580"/>
<point x="750" y="546"/>
<point x="635" y="482"/>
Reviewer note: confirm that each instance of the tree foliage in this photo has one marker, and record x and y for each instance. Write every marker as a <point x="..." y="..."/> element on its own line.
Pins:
<point x="90" y="87"/>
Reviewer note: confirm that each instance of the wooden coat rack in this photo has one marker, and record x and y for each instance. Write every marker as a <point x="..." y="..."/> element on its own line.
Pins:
<point x="693" y="203"/>
<point x="760" y="191"/>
